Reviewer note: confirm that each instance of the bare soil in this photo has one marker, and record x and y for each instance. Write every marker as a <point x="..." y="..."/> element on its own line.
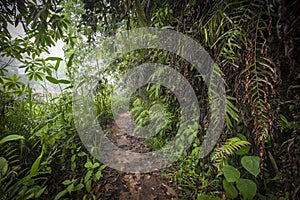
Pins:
<point x="125" y="186"/>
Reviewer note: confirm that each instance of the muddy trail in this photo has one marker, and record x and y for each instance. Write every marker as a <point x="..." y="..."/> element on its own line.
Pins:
<point x="126" y="186"/>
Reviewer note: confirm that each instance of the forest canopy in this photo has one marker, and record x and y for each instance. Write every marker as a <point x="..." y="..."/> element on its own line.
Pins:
<point x="255" y="45"/>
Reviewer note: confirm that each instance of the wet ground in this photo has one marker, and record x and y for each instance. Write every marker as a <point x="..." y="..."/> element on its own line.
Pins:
<point x="125" y="186"/>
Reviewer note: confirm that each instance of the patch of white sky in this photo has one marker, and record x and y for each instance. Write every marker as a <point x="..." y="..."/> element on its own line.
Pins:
<point x="54" y="51"/>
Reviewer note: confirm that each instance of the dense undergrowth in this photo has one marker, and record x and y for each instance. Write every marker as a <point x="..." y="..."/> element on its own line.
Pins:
<point x="255" y="43"/>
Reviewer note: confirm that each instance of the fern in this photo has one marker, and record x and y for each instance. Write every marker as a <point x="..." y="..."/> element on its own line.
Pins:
<point x="220" y="154"/>
<point x="237" y="32"/>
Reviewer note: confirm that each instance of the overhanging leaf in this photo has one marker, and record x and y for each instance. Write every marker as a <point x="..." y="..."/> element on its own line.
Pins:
<point x="11" y="138"/>
<point x="63" y="81"/>
<point x="52" y="80"/>
<point x="57" y="65"/>
<point x="53" y="58"/>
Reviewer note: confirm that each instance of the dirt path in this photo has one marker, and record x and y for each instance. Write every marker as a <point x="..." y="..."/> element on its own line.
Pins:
<point x="124" y="186"/>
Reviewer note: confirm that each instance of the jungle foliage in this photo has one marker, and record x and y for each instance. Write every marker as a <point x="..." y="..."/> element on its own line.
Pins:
<point x="255" y="44"/>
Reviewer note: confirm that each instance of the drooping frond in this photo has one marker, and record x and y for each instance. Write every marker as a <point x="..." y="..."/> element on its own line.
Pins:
<point x="221" y="153"/>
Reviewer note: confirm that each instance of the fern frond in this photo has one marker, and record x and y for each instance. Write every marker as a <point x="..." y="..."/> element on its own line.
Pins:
<point x="228" y="149"/>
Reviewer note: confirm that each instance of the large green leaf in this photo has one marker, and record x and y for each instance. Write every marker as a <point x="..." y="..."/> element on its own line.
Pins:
<point x="40" y="192"/>
<point x="11" y="138"/>
<point x="63" y="81"/>
<point x="88" y="185"/>
<point x="60" y="194"/>
<point x="231" y="173"/>
<point x="3" y="166"/>
<point x="35" y="166"/>
<point x="230" y="190"/>
<point x="251" y="164"/>
<point x="57" y="65"/>
<point x="69" y="63"/>
<point x="57" y="59"/>
<point x="247" y="188"/>
<point x="52" y="80"/>
<point x="52" y="58"/>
